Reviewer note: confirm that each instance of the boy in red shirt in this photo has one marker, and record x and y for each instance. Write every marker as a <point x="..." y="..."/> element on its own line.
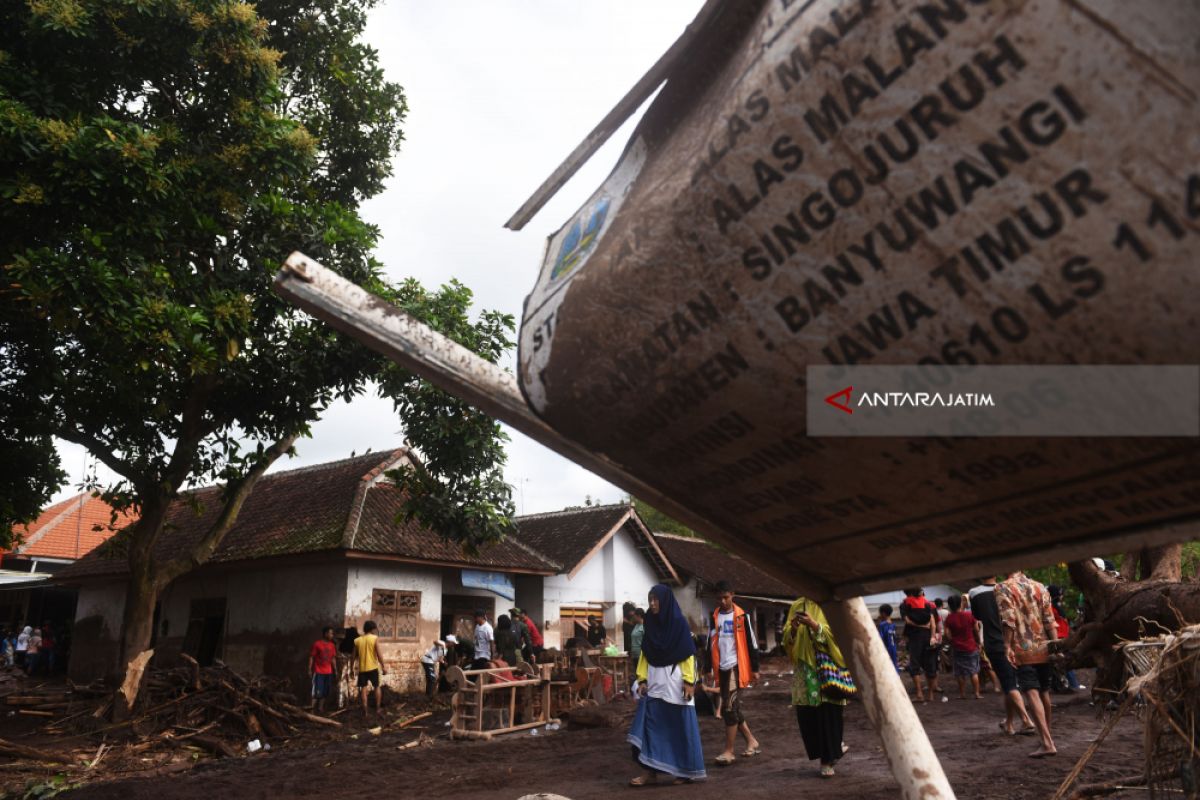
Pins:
<point x="321" y="660"/>
<point x="964" y="640"/>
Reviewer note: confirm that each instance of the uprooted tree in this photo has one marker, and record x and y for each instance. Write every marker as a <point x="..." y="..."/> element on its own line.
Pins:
<point x="1147" y="599"/>
<point x="158" y="159"/>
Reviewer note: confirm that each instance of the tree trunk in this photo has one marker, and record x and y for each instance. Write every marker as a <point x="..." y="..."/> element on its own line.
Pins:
<point x="1125" y="608"/>
<point x="148" y="576"/>
<point x="140" y="596"/>
<point x="136" y="632"/>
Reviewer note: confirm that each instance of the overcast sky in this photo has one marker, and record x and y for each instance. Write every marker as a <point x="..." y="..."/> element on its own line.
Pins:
<point x="499" y="93"/>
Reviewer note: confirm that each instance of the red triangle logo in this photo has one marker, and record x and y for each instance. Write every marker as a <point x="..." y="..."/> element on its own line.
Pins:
<point x="844" y="406"/>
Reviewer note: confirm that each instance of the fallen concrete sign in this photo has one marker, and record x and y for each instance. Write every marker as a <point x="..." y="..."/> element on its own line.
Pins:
<point x="924" y="183"/>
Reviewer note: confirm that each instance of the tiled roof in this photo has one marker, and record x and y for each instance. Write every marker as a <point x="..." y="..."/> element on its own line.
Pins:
<point x="67" y="529"/>
<point x="570" y="536"/>
<point x="378" y="532"/>
<point x="337" y="506"/>
<point x="709" y="564"/>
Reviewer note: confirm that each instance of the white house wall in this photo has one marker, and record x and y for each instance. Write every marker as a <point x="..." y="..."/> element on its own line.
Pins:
<point x="634" y="575"/>
<point x="617" y="573"/>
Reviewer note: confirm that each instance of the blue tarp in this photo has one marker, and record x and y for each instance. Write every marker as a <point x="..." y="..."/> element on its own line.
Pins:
<point x="497" y="582"/>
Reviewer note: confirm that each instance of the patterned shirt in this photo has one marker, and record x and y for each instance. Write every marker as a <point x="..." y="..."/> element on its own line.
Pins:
<point x="1025" y="609"/>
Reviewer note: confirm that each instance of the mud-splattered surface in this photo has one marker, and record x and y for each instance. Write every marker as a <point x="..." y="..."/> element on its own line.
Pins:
<point x="594" y="764"/>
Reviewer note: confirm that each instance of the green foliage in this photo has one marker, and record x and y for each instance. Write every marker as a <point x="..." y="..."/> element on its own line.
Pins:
<point x="31" y="474"/>
<point x="51" y="787"/>
<point x="1191" y="560"/>
<point x="158" y="159"/>
<point x="657" y="521"/>
<point x="461" y="490"/>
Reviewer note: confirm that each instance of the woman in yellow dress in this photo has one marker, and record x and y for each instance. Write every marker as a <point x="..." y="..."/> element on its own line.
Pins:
<point x="819" y="716"/>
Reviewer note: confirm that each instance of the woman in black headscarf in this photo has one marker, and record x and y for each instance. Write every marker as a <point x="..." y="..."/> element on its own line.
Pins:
<point x="665" y="733"/>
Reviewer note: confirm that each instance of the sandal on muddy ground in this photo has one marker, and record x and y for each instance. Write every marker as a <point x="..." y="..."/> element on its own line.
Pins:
<point x="725" y="760"/>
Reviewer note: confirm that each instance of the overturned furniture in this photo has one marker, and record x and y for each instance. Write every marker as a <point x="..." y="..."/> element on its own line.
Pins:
<point x="486" y="701"/>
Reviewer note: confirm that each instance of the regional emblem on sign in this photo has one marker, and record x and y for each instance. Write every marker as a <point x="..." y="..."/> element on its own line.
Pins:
<point x="580" y="239"/>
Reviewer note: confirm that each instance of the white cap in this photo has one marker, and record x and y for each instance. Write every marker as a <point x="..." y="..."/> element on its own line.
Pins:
<point x="452" y="639"/>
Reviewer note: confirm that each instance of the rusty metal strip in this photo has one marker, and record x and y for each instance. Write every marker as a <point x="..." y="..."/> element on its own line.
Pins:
<point x="450" y="366"/>
<point x="614" y="118"/>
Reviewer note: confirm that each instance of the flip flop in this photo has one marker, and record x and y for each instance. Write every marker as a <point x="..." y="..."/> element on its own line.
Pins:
<point x="724" y="760"/>
<point x="1027" y="731"/>
<point x="640" y="781"/>
<point x="750" y="752"/>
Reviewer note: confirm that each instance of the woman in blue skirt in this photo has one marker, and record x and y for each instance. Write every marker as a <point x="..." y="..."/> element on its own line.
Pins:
<point x="666" y="734"/>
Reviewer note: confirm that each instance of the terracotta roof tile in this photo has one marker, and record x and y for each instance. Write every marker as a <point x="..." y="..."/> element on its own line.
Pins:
<point x="568" y="536"/>
<point x="297" y="511"/>
<point x="326" y="507"/>
<point x="67" y="529"/>
<point x="708" y="563"/>
<point x="379" y="532"/>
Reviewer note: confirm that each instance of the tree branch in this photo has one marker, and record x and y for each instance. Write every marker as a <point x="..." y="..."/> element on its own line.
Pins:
<point x="235" y="498"/>
<point x="103" y="452"/>
<point x="191" y="432"/>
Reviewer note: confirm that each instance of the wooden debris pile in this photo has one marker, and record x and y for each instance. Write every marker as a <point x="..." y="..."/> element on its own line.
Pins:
<point x="212" y="708"/>
<point x="1164" y="685"/>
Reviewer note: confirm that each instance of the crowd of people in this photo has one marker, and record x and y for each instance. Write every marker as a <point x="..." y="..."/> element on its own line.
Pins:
<point x="359" y="661"/>
<point x="36" y="651"/>
<point x="999" y="633"/>
<point x="677" y="671"/>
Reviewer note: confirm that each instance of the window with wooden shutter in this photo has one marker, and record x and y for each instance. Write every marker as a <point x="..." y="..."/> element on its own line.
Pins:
<point x="396" y="612"/>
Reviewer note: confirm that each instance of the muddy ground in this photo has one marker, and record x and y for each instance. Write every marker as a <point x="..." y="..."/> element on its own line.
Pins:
<point x="595" y="763"/>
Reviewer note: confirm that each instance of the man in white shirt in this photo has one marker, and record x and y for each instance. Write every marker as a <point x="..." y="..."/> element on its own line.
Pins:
<point x="734" y="653"/>
<point x="485" y="641"/>
<point x="433" y="657"/>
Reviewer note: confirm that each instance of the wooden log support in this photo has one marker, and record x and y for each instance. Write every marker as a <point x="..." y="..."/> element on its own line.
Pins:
<point x="32" y="753"/>
<point x="909" y="752"/>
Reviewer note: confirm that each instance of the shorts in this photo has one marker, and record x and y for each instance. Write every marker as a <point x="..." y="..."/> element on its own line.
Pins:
<point x="1034" y="677"/>
<point x="322" y="684"/>
<point x="370" y="676"/>
<point x="1004" y="669"/>
<point x="966" y="664"/>
<point x="922" y="656"/>
<point x="731" y="698"/>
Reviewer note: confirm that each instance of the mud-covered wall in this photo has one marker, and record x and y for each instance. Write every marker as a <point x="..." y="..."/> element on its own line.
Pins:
<point x="272" y="616"/>
<point x="95" y="637"/>
<point x="401" y="658"/>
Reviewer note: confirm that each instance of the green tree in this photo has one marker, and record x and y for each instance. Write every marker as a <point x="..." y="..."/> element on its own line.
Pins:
<point x="158" y="159"/>
<point x="657" y="521"/>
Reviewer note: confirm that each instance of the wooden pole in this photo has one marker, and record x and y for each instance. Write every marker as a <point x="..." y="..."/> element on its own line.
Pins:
<point x="616" y="116"/>
<point x="464" y="374"/>
<point x="905" y="743"/>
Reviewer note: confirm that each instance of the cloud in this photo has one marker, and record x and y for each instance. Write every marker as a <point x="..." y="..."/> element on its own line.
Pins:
<point x="499" y="94"/>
